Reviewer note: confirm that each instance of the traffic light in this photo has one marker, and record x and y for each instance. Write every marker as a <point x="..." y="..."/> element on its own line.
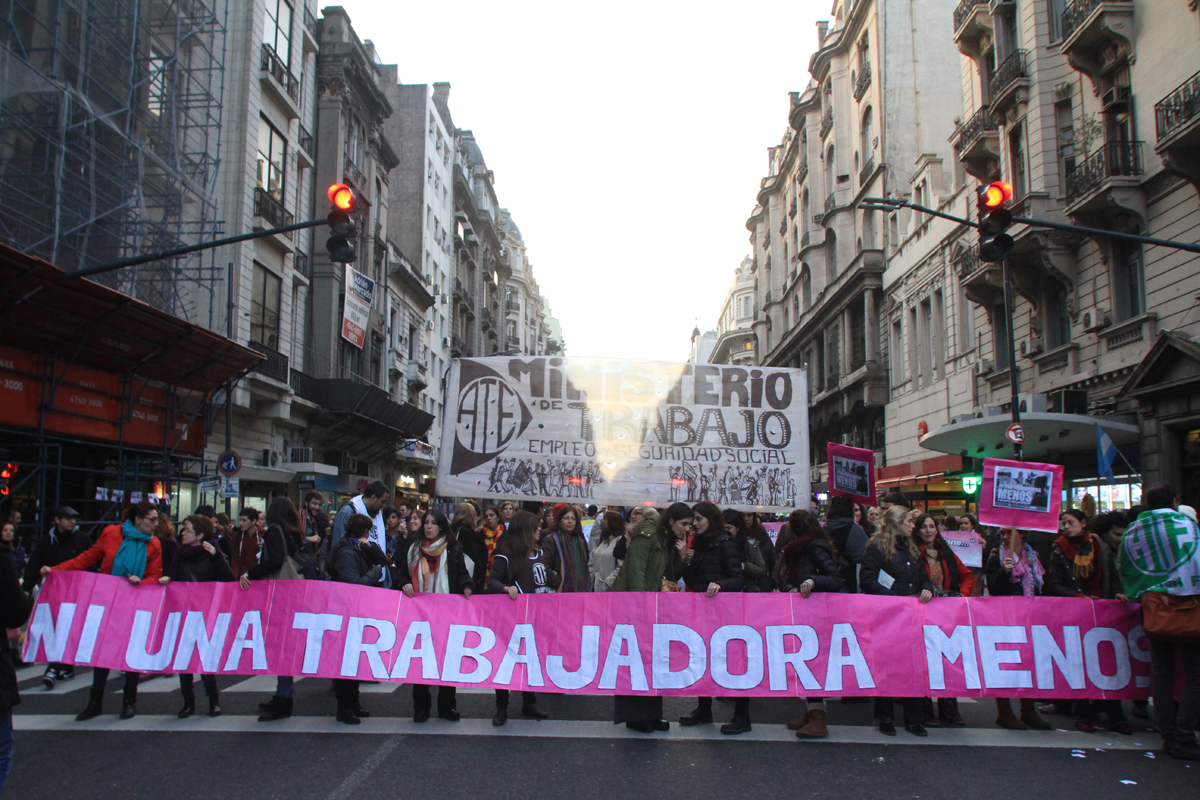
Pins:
<point x="8" y="473"/>
<point x="994" y="219"/>
<point x="342" y="224"/>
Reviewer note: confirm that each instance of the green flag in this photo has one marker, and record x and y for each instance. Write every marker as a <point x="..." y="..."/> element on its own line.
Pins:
<point x="1160" y="552"/>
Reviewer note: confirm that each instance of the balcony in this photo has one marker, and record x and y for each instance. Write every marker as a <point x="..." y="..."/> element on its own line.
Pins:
<point x="487" y="320"/>
<point x="826" y="122"/>
<point x="802" y="170"/>
<point x="416" y="375"/>
<point x="1177" y="120"/>
<point x="1010" y="84"/>
<point x="1097" y="36"/>
<point x="972" y="21"/>
<point x="805" y="238"/>
<point x="792" y="209"/>
<point x="1102" y="181"/>
<point x="830" y="202"/>
<point x="282" y="82"/>
<point x="353" y="173"/>
<point x="512" y="306"/>
<point x="867" y="171"/>
<point x="307" y="151"/>
<point x="274" y="367"/>
<point x="271" y="212"/>
<point x="863" y="82"/>
<point x="306" y="387"/>
<point x="458" y="347"/>
<point x="310" y="32"/>
<point x="300" y="264"/>
<point x="979" y="145"/>
<point x="513" y="342"/>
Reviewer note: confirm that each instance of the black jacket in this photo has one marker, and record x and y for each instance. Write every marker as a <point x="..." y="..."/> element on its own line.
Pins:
<point x="475" y="548"/>
<point x="194" y="565"/>
<point x="851" y="542"/>
<point x="14" y="610"/>
<point x="716" y="559"/>
<point x="276" y="546"/>
<point x="810" y="558"/>
<point x="910" y="578"/>
<point x="1061" y="580"/>
<point x="347" y="564"/>
<point x="53" y="549"/>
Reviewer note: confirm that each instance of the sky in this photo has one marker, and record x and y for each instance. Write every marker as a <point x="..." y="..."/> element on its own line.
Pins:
<point x="627" y="140"/>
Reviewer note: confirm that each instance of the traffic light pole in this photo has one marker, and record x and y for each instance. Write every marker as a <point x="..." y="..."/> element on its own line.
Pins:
<point x="1012" y="351"/>
<point x="183" y="251"/>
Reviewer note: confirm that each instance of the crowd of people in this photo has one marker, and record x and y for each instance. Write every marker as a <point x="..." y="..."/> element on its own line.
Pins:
<point x="894" y="549"/>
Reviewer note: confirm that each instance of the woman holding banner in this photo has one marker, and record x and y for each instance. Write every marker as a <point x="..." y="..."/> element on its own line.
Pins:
<point x="568" y="548"/>
<point x="809" y="563"/>
<point x="950" y="578"/>
<point x="892" y="566"/>
<point x="754" y="565"/>
<point x="603" y="563"/>
<point x="436" y="565"/>
<point x="130" y="551"/>
<point x="197" y="560"/>
<point x="520" y="567"/>
<point x="1013" y="570"/>
<point x="715" y="567"/>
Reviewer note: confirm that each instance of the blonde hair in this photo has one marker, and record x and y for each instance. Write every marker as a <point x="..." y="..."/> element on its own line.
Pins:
<point x="464" y="514"/>
<point x="885" y="537"/>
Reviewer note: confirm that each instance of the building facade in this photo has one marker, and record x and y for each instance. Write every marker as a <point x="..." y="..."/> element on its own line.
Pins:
<point x="1057" y="102"/>
<point x="735" y="327"/>
<point x="862" y="128"/>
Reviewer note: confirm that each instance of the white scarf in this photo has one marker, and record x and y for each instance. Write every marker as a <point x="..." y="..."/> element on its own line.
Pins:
<point x="440" y="580"/>
<point x="378" y="532"/>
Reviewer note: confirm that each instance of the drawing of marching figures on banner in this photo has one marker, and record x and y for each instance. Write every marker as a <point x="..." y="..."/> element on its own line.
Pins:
<point x="757" y="487"/>
<point x="554" y="478"/>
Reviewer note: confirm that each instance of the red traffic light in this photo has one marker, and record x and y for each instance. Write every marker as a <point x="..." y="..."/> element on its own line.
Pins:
<point x="5" y="474"/>
<point x="997" y="194"/>
<point x="342" y="196"/>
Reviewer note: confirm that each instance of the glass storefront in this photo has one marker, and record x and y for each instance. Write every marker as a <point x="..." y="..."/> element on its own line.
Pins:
<point x="1095" y="495"/>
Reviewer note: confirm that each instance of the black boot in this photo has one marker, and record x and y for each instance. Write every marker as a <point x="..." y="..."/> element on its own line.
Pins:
<point x="345" y="713"/>
<point x="282" y="709"/>
<point x="93" y="709"/>
<point x="736" y="725"/>
<point x="189" y="708"/>
<point x="697" y="717"/>
<point x="128" y="709"/>
<point x="532" y="711"/>
<point x="359" y="711"/>
<point x="214" y="708"/>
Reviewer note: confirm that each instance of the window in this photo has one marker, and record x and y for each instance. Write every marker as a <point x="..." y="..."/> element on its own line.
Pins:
<point x="829" y="170"/>
<point x="858" y="336"/>
<point x="914" y="357"/>
<point x="1000" y="337"/>
<point x="938" y="333"/>
<point x="272" y="154"/>
<point x="786" y="324"/>
<point x="866" y="141"/>
<point x="805" y="288"/>
<point x="796" y="308"/>
<point x="805" y="213"/>
<point x="897" y="352"/>
<point x="832" y="354"/>
<point x="831" y="268"/>
<point x="1016" y="150"/>
<point x="1127" y="290"/>
<point x="1065" y="123"/>
<point x="156" y="93"/>
<point x="264" y="307"/>
<point x="1056" y="8"/>
<point x="1057" y="323"/>
<point x="356" y="140"/>
<point x="412" y="341"/>
<point x="277" y="29"/>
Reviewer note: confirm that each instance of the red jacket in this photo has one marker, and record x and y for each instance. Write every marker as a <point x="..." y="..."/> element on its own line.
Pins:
<point x="966" y="578"/>
<point x="105" y="550"/>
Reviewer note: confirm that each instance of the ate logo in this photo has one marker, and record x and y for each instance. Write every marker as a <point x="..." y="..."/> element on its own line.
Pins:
<point x="489" y="416"/>
<point x="1159" y="545"/>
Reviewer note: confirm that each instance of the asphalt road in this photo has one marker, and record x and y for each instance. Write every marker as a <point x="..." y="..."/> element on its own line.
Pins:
<point x="579" y="753"/>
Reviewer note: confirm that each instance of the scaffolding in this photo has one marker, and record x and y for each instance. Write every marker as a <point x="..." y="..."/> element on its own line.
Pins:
<point x="110" y="118"/>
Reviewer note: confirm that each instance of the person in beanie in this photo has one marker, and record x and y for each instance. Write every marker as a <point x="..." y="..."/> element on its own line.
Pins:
<point x="1161" y="529"/>
<point x="568" y="550"/>
<point x="197" y="560"/>
<point x="63" y="542"/>
<point x="129" y="551"/>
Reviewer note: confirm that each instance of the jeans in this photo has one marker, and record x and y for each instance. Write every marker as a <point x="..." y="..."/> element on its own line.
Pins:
<point x="283" y="685"/>
<point x="6" y="748"/>
<point x="187" y="683"/>
<point x="912" y="709"/>
<point x="100" y="680"/>
<point x="1179" y="723"/>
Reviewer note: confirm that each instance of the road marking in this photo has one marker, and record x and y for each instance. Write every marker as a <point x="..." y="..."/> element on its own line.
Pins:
<point x="32" y="671"/>
<point x="163" y="684"/>
<point x="383" y="687"/>
<point x="584" y="729"/>
<point x="356" y="778"/>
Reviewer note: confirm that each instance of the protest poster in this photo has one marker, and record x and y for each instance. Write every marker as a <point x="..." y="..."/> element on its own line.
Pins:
<point x="356" y="308"/>
<point x="967" y="545"/>
<point x="631" y="643"/>
<point x="620" y="432"/>
<point x="1020" y="494"/>
<point x="772" y="529"/>
<point x="852" y="473"/>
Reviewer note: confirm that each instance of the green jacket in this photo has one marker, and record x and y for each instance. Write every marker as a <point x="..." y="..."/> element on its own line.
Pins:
<point x="645" y="562"/>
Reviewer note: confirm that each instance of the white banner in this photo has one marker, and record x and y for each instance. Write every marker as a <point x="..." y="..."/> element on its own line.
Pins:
<point x="617" y="432"/>
<point x="356" y="310"/>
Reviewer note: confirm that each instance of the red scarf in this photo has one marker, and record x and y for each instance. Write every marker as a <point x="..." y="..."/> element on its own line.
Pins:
<point x="1086" y="565"/>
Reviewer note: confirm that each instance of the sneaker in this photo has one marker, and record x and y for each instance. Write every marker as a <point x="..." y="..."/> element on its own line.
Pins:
<point x="887" y="727"/>
<point x="66" y="674"/>
<point x="916" y="730"/>
<point x="50" y="678"/>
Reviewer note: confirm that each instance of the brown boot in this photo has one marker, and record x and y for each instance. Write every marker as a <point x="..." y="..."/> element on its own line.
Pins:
<point x="798" y="722"/>
<point x="928" y="716"/>
<point x="1005" y="717"/>
<point x="1031" y="718"/>
<point x="815" y="729"/>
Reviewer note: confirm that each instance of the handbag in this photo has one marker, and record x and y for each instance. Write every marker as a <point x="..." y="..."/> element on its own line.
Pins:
<point x="287" y="571"/>
<point x="1172" y="618"/>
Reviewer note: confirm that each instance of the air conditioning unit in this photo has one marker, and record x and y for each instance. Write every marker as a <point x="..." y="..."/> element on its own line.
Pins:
<point x="1030" y="346"/>
<point x="983" y="367"/>
<point x="429" y="325"/>
<point x="446" y="342"/>
<point x="443" y="298"/>
<point x="1116" y="98"/>
<point x="983" y="412"/>
<point x="1032" y="403"/>
<point x="270" y="458"/>
<point x="957" y="418"/>
<point x="817" y="218"/>
<point x="300" y="455"/>
<point x="1094" y="319"/>
<point x="1068" y="401"/>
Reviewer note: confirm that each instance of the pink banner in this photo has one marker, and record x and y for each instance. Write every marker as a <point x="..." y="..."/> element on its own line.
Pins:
<point x="1020" y="494"/>
<point x="777" y="645"/>
<point x="852" y="472"/>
